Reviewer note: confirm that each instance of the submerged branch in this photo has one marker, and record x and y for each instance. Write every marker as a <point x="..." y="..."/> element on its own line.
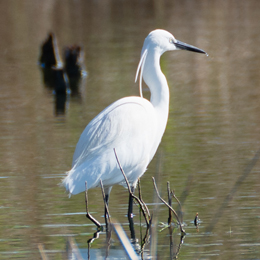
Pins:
<point x="170" y="202"/>
<point x="88" y="215"/>
<point x="173" y="211"/>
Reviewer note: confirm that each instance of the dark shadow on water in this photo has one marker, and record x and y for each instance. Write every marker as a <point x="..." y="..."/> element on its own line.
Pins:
<point x="55" y="79"/>
<point x="64" y="80"/>
<point x="127" y="250"/>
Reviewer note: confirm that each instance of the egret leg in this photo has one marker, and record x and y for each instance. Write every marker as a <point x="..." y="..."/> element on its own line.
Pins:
<point x="130" y="203"/>
<point x="130" y="214"/>
<point x="107" y="191"/>
<point x="106" y="201"/>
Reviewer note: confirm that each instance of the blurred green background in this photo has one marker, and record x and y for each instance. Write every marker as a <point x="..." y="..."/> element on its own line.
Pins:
<point x="212" y="133"/>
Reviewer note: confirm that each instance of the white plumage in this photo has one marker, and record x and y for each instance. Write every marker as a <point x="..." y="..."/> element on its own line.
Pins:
<point x="133" y="126"/>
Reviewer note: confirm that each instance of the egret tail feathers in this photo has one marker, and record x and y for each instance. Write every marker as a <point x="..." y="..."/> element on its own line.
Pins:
<point x="75" y="180"/>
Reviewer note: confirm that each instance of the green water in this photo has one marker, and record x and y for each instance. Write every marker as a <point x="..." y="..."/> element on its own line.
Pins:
<point x="211" y="136"/>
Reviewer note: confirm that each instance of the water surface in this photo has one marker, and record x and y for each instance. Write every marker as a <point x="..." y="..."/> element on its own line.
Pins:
<point x="206" y="153"/>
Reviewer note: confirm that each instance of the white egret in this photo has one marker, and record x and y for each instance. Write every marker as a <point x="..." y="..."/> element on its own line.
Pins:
<point x="133" y="126"/>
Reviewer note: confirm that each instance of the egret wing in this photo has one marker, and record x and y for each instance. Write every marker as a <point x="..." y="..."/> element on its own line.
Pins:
<point x="125" y="125"/>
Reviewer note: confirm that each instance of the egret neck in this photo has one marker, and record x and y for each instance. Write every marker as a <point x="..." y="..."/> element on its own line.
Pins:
<point x="157" y="83"/>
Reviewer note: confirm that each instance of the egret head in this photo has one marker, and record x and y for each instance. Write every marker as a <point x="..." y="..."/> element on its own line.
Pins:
<point x="162" y="41"/>
<point x="159" y="40"/>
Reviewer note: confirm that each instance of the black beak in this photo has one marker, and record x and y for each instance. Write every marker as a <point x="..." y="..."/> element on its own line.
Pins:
<point x="184" y="46"/>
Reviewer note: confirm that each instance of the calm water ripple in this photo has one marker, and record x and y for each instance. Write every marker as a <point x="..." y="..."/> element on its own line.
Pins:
<point x="213" y="131"/>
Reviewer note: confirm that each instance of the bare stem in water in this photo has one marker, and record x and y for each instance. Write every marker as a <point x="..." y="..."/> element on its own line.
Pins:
<point x="179" y="203"/>
<point x="141" y="199"/>
<point x="162" y="200"/>
<point x="170" y="202"/>
<point x="88" y="215"/>
<point x="42" y="252"/>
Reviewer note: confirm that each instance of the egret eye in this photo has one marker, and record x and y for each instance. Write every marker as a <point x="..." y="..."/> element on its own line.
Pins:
<point x="171" y="40"/>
